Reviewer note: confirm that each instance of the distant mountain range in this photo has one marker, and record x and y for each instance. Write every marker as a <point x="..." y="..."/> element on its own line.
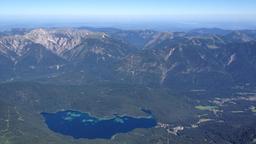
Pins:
<point x="198" y="58"/>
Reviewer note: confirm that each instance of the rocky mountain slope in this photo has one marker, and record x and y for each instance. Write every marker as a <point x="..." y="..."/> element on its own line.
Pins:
<point x="199" y="58"/>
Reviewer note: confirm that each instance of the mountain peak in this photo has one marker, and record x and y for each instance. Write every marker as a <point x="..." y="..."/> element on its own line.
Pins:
<point x="57" y="40"/>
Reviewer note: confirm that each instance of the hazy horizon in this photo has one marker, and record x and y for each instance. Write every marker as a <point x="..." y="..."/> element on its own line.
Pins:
<point x="150" y="14"/>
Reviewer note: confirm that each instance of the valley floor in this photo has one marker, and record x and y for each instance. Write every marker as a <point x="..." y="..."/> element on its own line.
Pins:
<point x="201" y="116"/>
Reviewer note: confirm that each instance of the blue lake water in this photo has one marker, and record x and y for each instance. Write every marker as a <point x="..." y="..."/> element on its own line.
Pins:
<point x="83" y="125"/>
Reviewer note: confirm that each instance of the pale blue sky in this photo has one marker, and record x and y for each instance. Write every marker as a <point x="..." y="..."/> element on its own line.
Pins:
<point x="155" y="13"/>
<point x="243" y="9"/>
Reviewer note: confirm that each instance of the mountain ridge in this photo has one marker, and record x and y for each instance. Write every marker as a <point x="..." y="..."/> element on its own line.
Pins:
<point x="199" y="58"/>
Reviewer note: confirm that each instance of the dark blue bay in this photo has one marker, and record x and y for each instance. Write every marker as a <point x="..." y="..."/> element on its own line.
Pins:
<point x="83" y="125"/>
